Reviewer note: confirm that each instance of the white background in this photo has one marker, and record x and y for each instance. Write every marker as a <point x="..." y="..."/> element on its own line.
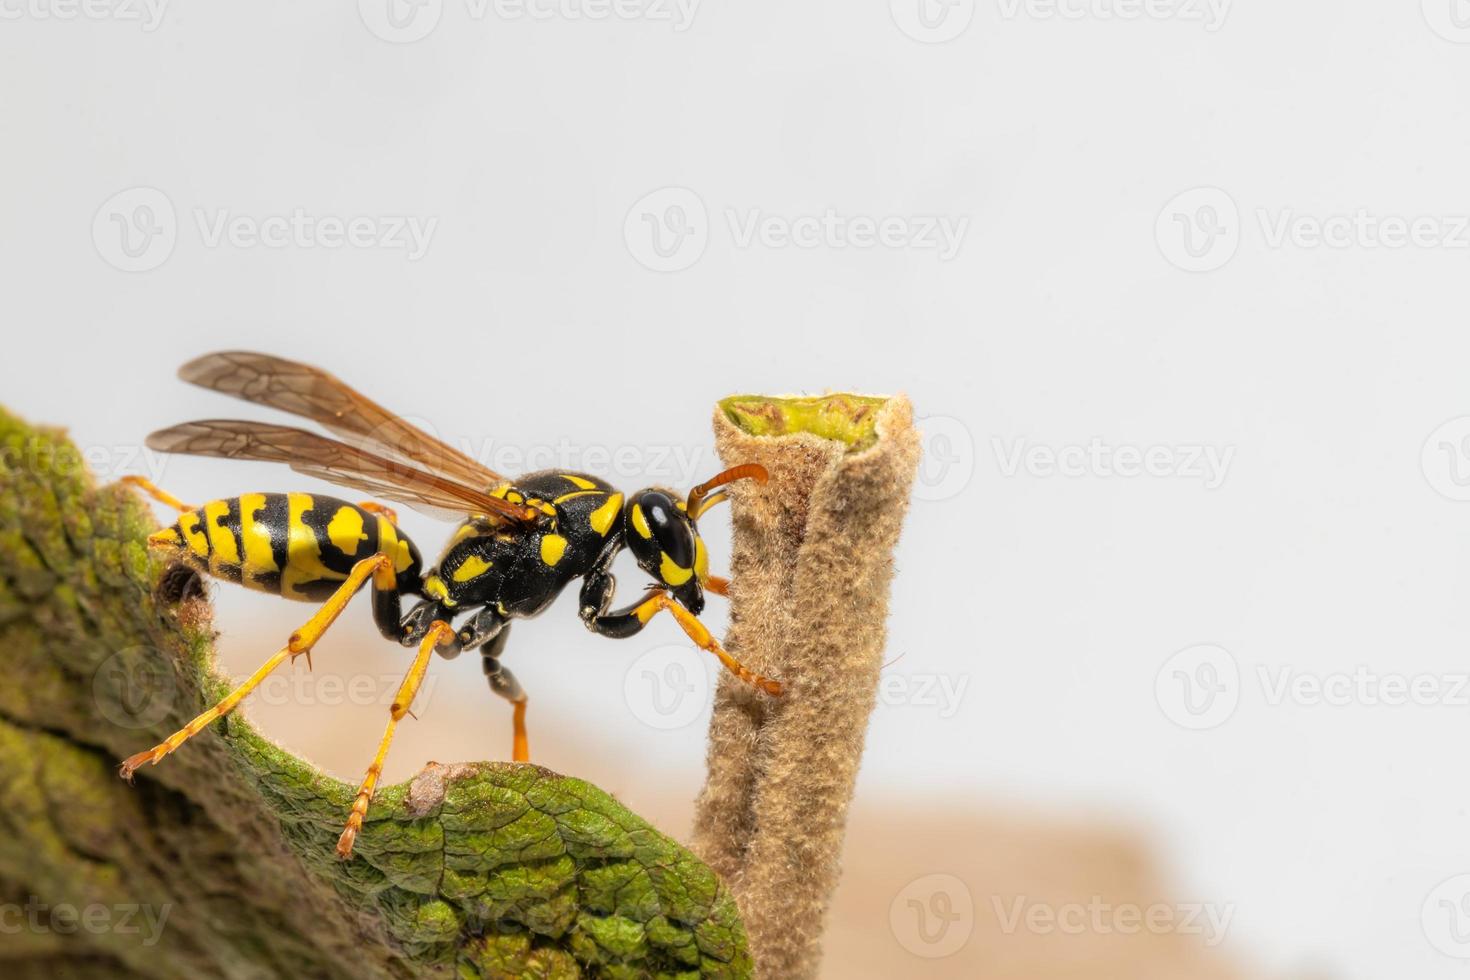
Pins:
<point x="1060" y="144"/>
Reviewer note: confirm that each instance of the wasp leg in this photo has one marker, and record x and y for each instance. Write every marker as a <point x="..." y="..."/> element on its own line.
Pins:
<point x="300" y="643"/>
<point x="488" y="631"/>
<point x="157" y="493"/>
<point x="439" y="632"/>
<point x="373" y="507"/>
<point x="626" y="622"/>
<point x="504" y="683"/>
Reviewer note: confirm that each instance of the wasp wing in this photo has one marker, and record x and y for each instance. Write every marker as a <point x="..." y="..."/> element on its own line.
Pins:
<point x="316" y="455"/>
<point x="314" y="394"/>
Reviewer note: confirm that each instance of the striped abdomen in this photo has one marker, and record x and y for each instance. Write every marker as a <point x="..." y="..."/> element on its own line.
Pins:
<point x="296" y="545"/>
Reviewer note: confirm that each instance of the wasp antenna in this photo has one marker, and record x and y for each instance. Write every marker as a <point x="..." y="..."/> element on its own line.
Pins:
<point x="745" y="471"/>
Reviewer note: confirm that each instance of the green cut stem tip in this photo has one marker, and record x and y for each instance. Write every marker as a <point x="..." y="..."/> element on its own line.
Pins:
<point x="841" y="417"/>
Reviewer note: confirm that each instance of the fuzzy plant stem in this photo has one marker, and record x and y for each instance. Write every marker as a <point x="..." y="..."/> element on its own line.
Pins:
<point x="812" y="564"/>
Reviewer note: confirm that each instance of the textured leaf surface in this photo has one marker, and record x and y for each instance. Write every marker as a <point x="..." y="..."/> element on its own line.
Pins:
<point x="486" y="869"/>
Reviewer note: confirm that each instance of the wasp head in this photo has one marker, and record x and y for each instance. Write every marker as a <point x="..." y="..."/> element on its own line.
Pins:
<point x="663" y="533"/>
<point x="666" y="544"/>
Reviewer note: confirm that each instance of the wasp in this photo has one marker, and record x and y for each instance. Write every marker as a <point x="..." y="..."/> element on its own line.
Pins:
<point x="519" y="543"/>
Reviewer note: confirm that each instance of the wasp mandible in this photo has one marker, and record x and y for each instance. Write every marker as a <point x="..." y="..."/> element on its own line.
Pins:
<point x="518" y="545"/>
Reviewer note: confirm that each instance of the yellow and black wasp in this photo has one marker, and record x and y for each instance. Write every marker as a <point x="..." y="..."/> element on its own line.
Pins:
<point x="519" y="542"/>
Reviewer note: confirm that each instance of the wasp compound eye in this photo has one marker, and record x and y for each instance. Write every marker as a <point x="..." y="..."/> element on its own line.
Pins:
<point x="670" y="527"/>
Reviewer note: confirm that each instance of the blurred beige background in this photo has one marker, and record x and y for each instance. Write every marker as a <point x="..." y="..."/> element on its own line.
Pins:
<point x="934" y="886"/>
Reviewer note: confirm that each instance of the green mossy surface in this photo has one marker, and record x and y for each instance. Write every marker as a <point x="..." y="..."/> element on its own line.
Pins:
<point x="843" y="418"/>
<point x="482" y="870"/>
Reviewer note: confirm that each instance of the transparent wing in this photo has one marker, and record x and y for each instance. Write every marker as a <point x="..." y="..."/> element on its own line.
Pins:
<point x="316" y="455"/>
<point x="314" y="394"/>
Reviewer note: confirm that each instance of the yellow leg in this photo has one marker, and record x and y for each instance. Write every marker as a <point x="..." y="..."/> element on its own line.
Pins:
<point x="439" y="634"/>
<point x="521" y="745"/>
<point x="660" y="601"/>
<point x="157" y="493"/>
<point x="300" y="643"/>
